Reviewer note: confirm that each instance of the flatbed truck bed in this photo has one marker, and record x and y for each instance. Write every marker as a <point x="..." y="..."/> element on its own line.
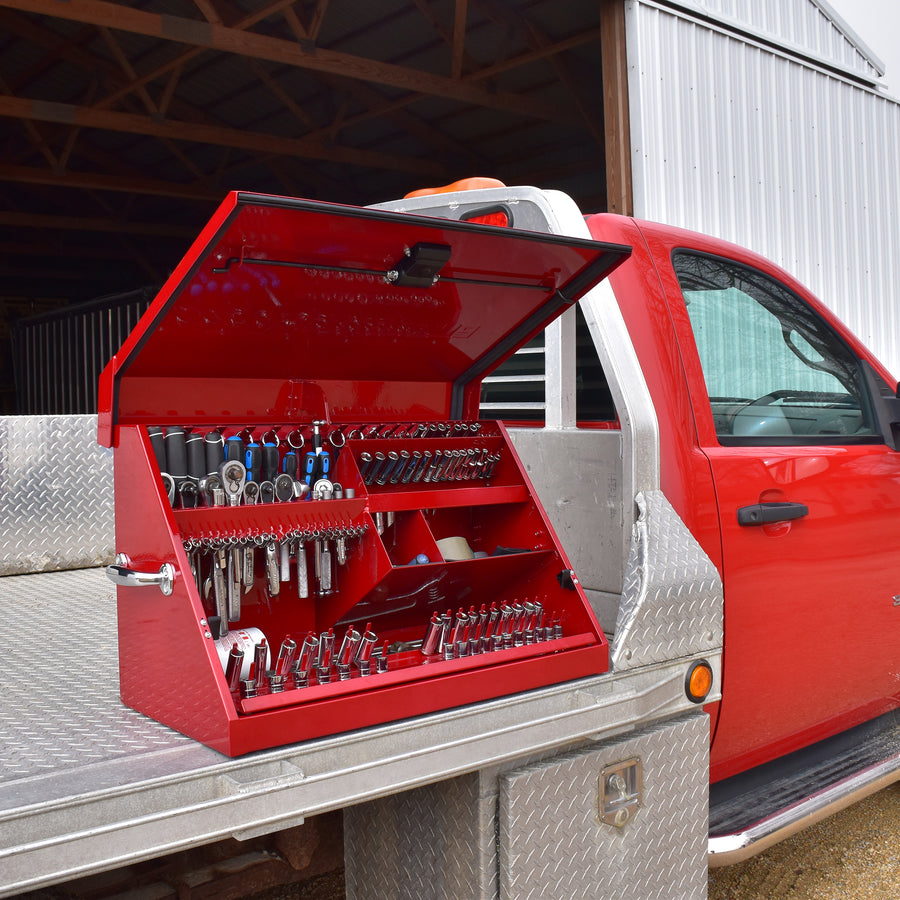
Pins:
<point x="89" y="785"/>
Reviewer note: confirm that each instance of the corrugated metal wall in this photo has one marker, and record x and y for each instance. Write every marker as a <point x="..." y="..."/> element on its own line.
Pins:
<point x="761" y="147"/>
<point x="808" y="27"/>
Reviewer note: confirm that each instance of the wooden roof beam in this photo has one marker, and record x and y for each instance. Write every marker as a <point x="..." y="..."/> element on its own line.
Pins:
<point x="33" y="132"/>
<point x="307" y="147"/>
<point x="179" y="61"/>
<point x="402" y="118"/>
<point x="277" y="91"/>
<point x="209" y="11"/>
<point x="537" y="40"/>
<point x="91" y="63"/>
<point x="206" y="35"/>
<point x="92" y="223"/>
<point x="55" y="50"/>
<point x="453" y="39"/>
<point x="307" y="32"/>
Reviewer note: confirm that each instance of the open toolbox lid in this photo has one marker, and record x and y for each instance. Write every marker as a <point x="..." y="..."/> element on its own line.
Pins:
<point x="387" y="315"/>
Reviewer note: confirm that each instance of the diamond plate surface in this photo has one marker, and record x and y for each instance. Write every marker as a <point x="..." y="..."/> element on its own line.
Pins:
<point x="60" y="706"/>
<point x="554" y="847"/>
<point x="432" y="843"/>
<point x="672" y="599"/>
<point x="56" y="494"/>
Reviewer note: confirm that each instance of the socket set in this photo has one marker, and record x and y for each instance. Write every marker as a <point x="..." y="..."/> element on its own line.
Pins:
<point x="248" y="467"/>
<point x="411" y="467"/>
<point x="318" y="660"/>
<point x="317" y="461"/>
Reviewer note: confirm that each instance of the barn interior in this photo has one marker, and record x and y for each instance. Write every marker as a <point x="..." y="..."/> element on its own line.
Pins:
<point x="124" y="124"/>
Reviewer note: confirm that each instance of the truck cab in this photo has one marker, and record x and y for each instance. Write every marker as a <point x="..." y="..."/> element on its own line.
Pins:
<point x="712" y="376"/>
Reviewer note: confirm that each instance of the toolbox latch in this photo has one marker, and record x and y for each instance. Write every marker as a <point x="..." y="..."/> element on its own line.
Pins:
<point x="620" y="792"/>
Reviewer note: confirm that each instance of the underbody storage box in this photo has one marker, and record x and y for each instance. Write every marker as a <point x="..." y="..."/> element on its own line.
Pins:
<point x="389" y="548"/>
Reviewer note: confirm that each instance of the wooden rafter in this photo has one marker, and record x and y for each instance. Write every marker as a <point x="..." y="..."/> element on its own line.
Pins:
<point x="530" y="34"/>
<point x="277" y="91"/>
<point x="209" y="11"/>
<point x="404" y="119"/>
<point x="309" y="147"/>
<point x="459" y="38"/>
<point x="588" y="36"/>
<point x="368" y="97"/>
<point x="180" y="60"/>
<point x="125" y="65"/>
<point x="56" y="49"/>
<point x="93" y="223"/>
<point x="33" y="133"/>
<point x="91" y="64"/>
<point x="243" y="42"/>
<point x="318" y="17"/>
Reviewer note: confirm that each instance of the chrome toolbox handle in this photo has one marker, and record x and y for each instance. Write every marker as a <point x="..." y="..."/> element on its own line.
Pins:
<point x="120" y="573"/>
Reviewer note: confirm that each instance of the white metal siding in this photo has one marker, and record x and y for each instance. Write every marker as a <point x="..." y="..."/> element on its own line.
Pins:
<point x="809" y="27"/>
<point x="754" y="146"/>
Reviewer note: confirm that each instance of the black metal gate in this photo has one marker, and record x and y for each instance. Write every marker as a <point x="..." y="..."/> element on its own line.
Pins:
<point x="58" y="356"/>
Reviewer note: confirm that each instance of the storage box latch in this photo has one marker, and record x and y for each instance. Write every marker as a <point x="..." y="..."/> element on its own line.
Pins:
<point x="620" y="792"/>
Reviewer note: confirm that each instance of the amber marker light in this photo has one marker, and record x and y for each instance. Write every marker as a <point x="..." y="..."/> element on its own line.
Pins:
<point x="698" y="682"/>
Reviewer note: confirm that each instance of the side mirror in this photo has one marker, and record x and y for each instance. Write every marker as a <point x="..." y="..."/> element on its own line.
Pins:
<point x="885" y="405"/>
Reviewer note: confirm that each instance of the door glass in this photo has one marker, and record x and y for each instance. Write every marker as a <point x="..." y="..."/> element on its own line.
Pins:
<point x="776" y="373"/>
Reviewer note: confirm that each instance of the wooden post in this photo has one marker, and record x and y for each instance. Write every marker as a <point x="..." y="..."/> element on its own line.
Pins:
<point x="614" y="72"/>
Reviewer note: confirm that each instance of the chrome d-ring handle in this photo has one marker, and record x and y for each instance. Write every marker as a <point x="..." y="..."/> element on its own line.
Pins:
<point x="119" y="573"/>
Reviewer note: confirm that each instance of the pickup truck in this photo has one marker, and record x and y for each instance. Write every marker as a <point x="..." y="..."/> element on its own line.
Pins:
<point x="718" y="456"/>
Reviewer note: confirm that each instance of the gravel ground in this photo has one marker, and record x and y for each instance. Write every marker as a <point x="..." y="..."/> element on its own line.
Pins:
<point x="325" y="887"/>
<point x="854" y="855"/>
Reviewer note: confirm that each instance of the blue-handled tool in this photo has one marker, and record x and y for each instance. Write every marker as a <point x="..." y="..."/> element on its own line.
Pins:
<point x="253" y="461"/>
<point x="316" y="462"/>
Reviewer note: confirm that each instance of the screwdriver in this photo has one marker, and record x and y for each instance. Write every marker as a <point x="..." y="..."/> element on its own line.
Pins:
<point x="253" y="461"/>
<point x="269" y="461"/>
<point x="317" y="462"/>
<point x="234" y="448"/>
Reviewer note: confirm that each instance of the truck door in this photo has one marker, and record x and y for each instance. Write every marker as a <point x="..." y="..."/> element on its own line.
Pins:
<point x="809" y="503"/>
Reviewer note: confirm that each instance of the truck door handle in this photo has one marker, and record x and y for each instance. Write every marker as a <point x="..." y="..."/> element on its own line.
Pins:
<point x="761" y="513"/>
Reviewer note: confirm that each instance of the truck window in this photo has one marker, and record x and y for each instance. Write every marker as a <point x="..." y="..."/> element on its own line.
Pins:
<point x="776" y="373"/>
<point x="515" y="391"/>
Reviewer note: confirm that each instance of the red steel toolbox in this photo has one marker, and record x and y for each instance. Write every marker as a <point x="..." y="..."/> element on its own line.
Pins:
<point x="335" y="537"/>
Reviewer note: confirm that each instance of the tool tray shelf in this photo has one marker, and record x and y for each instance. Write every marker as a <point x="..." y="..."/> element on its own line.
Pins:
<point x="378" y="567"/>
<point x="209" y="521"/>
